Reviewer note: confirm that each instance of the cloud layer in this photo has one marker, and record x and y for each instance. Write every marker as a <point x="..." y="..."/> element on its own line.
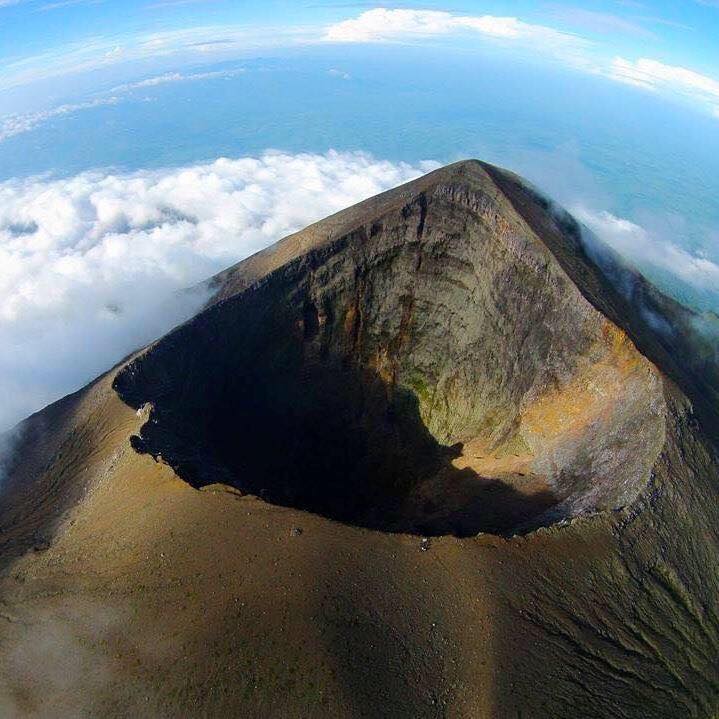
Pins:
<point x="91" y="266"/>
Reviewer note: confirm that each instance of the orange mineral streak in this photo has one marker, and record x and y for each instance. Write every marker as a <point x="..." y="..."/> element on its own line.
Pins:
<point x="592" y="392"/>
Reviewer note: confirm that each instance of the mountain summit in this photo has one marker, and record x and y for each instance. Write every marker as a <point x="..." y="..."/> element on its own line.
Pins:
<point x="438" y="455"/>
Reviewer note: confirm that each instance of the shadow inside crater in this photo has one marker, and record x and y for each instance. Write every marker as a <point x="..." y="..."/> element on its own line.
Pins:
<point x="330" y="437"/>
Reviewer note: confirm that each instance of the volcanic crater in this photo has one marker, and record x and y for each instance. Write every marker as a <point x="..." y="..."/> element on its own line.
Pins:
<point x="433" y="371"/>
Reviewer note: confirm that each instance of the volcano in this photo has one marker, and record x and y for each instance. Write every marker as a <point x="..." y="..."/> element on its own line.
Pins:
<point x="441" y="454"/>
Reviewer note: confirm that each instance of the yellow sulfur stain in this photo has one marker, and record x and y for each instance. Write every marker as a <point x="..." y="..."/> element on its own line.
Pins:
<point x="592" y="392"/>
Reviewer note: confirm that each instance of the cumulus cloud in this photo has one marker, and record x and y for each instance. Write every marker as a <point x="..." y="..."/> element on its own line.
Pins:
<point x="91" y="267"/>
<point x="382" y="25"/>
<point x="653" y="75"/>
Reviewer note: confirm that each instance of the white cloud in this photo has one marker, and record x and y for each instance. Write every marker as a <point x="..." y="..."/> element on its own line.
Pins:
<point x="670" y="79"/>
<point x="12" y="125"/>
<point x="339" y="73"/>
<point x="230" y="41"/>
<point x="599" y="22"/>
<point x="60" y="4"/>
<point x="402" y="25"/>
<point x="173" y="77"/>
<point x="644" y="250"/>
<point x="161" y="51"/>
<point x="195" y="44"/>
<point x="91" y="266"/>
<point x="382" y="25"/>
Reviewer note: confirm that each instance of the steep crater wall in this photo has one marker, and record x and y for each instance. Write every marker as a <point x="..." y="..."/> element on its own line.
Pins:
<point x="433" y="371"/>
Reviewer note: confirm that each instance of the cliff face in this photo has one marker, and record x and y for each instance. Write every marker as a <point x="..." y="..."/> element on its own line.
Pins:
<point x="451" y="359"/>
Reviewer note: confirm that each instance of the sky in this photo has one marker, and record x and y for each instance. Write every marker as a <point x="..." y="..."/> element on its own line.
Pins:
<point x="669" y="46"/>
<point x="146" y="144"/>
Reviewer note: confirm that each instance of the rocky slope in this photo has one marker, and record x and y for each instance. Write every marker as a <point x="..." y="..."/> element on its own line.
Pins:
<point x="439" y="455"/>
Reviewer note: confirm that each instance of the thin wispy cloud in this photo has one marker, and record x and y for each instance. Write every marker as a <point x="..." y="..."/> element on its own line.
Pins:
<point x="189" y="44"/>
<point x="656" y="20"/>
<point x="334" y="72"/>
<point x="380" y="25"/>
<point x="54" y="5"/>
<point x="18" y="124"/>
<point x="162" y="4"/>
<point x="174" y="77"/>
<point x="13" y="125"/>
<point x="656" y="76"/>
<point x="598" y="22"/>
<point x="60" y="4"/>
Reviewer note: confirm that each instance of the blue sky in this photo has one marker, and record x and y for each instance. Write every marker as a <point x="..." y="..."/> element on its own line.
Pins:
<point x="684" y="31"/>
<point x="147" y="144"/>
<point x="665" y="46"/>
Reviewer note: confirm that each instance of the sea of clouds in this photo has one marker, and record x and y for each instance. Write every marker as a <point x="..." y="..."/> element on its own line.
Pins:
<point x="93" y="266"/>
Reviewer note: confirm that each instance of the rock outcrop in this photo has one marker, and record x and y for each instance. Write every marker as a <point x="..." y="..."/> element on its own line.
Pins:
<point x="455" y="460"/>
